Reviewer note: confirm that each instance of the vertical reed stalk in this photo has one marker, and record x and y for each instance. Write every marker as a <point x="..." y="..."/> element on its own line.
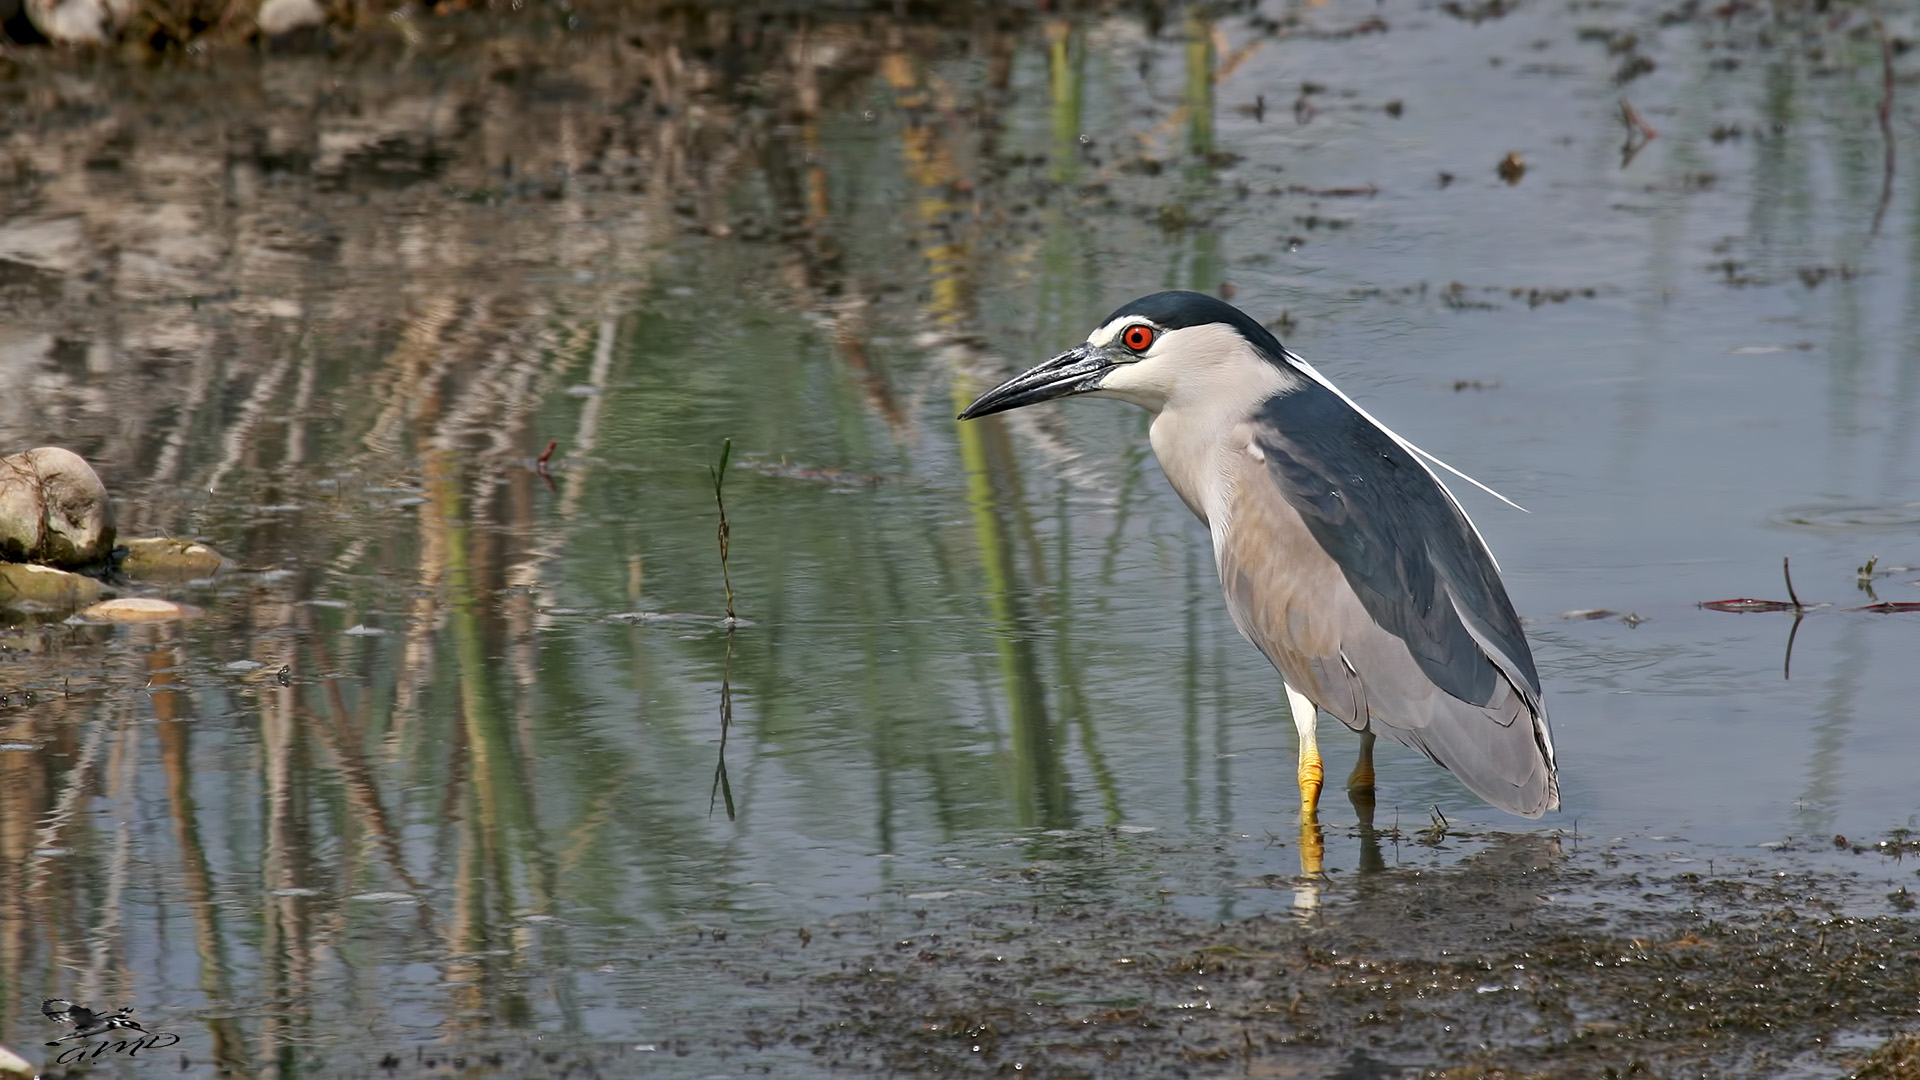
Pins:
<point x="719" y="473"/>
<point x="721" y="786"/>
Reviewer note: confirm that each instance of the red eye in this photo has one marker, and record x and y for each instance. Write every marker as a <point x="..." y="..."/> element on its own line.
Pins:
<point x="1137" y="337"/>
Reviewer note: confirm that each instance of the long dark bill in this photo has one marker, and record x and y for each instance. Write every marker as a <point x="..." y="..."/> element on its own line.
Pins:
<point x="1075" y="371"/>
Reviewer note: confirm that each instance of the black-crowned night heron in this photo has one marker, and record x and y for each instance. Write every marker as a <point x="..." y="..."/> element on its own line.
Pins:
<point x="1344" y="558"/>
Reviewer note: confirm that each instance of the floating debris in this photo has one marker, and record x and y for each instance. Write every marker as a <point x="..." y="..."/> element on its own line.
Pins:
<point x="1746" y="604"/>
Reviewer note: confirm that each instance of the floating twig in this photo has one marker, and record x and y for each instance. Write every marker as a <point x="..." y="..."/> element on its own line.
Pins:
<point x="1639" y="133"/>
<point x="719" y="474"/>
<point x="1799" y="612"/>
<point x="1863" y="574"/>
<point x="722" y="787"/>
<point x="1745" y="604"/>
<point x="1793" y="632"/>
<point x="1636" y="124"/>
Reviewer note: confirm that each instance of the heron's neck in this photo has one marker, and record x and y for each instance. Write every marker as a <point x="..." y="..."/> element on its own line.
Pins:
<point x="1199" y="431"/>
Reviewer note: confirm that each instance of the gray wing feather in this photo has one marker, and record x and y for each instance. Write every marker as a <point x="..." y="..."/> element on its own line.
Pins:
<point x="1349" y="566"/>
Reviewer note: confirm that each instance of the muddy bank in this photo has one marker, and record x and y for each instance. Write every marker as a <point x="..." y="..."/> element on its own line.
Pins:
<point x="142" y="31"/>
<point x="1530" y="956"/>
<point x="1522" y="960"/>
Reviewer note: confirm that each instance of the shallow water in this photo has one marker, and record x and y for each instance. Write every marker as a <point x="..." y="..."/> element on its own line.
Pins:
<point x="327" y="318"/>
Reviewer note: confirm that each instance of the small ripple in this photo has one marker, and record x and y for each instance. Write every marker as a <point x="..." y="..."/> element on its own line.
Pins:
<point x="1904" y="515"/>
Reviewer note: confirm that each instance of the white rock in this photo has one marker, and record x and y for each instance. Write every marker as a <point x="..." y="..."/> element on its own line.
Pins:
<point x="285" y="16"/>
<point x="132" y="609"/>
<point x="79" y="22"/>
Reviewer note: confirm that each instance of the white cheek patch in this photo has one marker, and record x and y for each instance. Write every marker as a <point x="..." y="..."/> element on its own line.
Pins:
<point x="1200" y="369"/>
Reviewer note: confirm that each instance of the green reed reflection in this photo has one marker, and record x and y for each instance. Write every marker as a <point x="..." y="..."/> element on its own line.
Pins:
<point x="1038" y="780"/>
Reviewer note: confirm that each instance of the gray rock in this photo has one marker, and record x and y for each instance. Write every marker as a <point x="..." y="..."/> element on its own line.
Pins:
<point x="53" y="509"/>
<point x="27" y="587"/>
<point x="167" y="558"/>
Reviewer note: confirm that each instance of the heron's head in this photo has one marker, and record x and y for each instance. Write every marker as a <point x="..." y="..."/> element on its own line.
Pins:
<point x="1152" y="352"/>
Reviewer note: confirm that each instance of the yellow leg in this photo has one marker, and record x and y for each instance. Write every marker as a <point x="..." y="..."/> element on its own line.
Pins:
<point x="1306" y="720"/>
<point x="1312" y="774"/>
<point x="1361" y="779"/>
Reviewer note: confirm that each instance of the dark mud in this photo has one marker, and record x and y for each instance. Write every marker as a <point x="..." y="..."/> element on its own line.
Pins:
<point x="1528" y="956"/>
<point x="1519" y="960"/>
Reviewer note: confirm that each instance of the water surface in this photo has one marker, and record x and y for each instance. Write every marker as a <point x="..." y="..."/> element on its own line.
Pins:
<point x="327" y="318"/>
